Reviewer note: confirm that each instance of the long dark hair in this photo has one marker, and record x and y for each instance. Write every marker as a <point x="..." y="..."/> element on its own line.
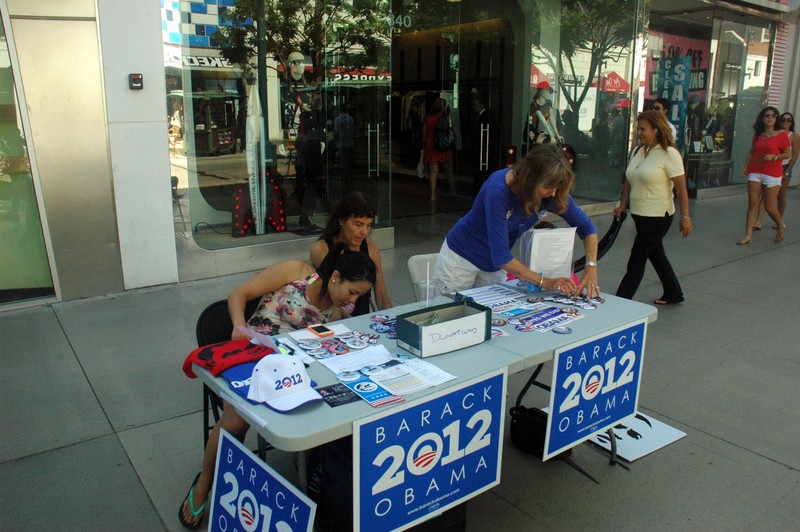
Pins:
<point x="758" y="125"/>
<point x="351" y="265"/>
<point x="352" y="205"/>
<point x="791" y="127"/>
<point x="543" y="166"/>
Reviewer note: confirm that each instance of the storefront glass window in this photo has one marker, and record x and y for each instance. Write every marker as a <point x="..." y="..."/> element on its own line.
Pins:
<point x="725" y="54"/>
<point x="256" y="154"/>
<point x="24" y="264"/>
<point x="580" y="88"/>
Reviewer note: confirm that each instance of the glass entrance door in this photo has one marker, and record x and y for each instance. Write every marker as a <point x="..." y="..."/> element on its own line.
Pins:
<point x="24" y="264"/>
<point x="461" y="53"/>
<point x="358" y="125"/>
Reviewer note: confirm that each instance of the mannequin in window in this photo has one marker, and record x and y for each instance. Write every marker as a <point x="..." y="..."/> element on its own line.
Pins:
<point x="542" y="120"/>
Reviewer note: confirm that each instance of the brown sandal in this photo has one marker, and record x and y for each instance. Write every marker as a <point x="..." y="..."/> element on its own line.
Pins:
<point x="743" y="242"/>
<point x="780" y="235"/>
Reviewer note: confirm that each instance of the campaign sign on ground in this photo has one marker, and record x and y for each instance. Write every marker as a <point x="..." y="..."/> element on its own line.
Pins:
<point x="249" y="495"/>
<point x="595" y="385"/>
<point x="428" y="456"/>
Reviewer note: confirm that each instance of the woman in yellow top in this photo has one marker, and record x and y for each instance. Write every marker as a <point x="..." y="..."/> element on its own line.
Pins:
<point x="654" y="171"/>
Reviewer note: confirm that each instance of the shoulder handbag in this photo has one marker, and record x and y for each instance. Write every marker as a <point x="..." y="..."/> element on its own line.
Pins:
<point x="445" y="136"/>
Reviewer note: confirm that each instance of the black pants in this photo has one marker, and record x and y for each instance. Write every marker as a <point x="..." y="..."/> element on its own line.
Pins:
<point x="649" y="245"/>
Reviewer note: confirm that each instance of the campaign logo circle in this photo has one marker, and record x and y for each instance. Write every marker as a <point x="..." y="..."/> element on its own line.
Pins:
<point x="562" y="329"/>
<point x="498" y="322"/>
<point x="366" y="387"/>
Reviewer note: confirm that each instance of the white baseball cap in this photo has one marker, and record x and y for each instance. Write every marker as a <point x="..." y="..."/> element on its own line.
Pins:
<point x="281" y="381"/>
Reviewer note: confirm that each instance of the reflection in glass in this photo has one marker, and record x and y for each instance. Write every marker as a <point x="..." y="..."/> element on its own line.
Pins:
<point x="24" y="266"/>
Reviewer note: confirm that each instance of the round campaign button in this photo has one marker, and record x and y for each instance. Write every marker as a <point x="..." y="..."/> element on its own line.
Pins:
<point x="372" y="370"/>
<point x="588" y="306"/>
<point x="514" y="321"/>
<point x="320" y="353"/>
<point x="379" y="317"/>
<point x="525" y="328"/>
<point x="570" y="310"/>
<point x="355" y="343"/>
<point x="392" y="335"/>
<point x="562" y="329"/>
<point x="598" y="300"/>
<point x="535" y="299"/>
<point x="348" y="376"/>
<point x="498" y="322"/>
<point x="309" y="344"/>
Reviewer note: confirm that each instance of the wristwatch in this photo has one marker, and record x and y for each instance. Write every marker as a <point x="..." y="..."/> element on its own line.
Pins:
<point x="592" y="263"/>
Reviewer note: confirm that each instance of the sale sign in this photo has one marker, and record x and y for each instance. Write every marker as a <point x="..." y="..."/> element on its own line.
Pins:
<point x="419" y="460"/>
<point x="595" y="386"/>
<point x="248" y="495"/>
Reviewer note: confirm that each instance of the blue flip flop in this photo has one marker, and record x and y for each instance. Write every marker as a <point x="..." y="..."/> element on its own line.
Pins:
<point x="195" y="513"/>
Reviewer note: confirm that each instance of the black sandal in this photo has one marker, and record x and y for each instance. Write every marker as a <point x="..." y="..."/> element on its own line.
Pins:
<point x="665" y="301"/>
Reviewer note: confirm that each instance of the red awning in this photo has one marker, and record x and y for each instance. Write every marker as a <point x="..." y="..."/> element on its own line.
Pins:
<point x="625" y="102"/>
<point x="538" y="79"/>
<point x="612" y="82"/>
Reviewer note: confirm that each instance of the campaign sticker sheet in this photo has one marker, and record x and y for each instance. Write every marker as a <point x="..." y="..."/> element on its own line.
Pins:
<point x="544" y="320"/>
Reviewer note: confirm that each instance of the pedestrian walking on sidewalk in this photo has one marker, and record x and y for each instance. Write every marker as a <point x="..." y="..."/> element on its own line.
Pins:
<point x="764" y="170"/>
<point x="653" y="173"/>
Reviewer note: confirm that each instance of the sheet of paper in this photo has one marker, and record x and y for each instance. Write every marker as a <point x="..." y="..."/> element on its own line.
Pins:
<point x="551" y="251"/>
<point x="355" y="360"/>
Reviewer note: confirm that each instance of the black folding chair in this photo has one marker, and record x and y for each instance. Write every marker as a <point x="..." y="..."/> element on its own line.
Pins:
<point x="215" y="325"/>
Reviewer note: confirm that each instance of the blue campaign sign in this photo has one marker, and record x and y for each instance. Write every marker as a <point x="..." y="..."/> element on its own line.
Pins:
<point x="595" y="386"/>
<point x="674" y="75"/>
<point x="249" y="495"/>
<point x="428" y="456"/>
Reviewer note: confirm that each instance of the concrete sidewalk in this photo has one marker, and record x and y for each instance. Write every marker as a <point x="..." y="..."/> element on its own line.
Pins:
<point x="100" y="429"/>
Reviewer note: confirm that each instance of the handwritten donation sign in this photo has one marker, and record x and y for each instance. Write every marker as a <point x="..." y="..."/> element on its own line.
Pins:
<point x="249" y="495"/>
<point x="595" y="386"/>
<point x="428" y="456"/>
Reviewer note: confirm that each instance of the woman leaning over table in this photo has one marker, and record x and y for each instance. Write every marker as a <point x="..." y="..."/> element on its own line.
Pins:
<point x="293" y="296"/>
<point x="764" y="171"/>
<point x="477" y="250"/>
<point x="654" y="171"/>
<point x="350" y="223"/>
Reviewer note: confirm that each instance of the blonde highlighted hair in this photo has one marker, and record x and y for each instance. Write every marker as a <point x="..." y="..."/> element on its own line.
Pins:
<point x="659" y="122"/>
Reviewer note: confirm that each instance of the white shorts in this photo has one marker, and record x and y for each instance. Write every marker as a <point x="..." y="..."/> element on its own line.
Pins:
<point x="766" y="180"/>
<point x="457" y="273"/>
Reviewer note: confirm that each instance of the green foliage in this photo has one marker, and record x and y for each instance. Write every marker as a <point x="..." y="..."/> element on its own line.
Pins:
<point x="603" y="29"/>
<point x="350" y="32"/>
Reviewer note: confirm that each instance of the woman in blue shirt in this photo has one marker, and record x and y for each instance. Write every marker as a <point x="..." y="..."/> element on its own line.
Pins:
<point x="477" y="250"/>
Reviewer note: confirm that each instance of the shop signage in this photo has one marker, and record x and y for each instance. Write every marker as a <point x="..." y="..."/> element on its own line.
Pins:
<point x="595" y="386"/>
<point x="428" y="456"/>
<point x="673" y="84"/>
<point x="249" y="495"/>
